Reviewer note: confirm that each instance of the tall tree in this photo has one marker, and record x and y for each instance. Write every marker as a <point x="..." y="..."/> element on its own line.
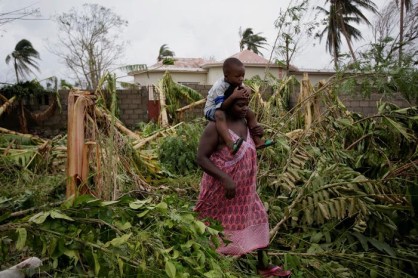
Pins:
<point x="252" y="41"/>
<point x="24" y="57"/>
<point x="340" y="15"/>
<point x="164" y="52"/>
<point x="89" y="42"/>
<point x="404" y="5"/>
<point x="294" y="29"/>
<point x="387" y="41"/>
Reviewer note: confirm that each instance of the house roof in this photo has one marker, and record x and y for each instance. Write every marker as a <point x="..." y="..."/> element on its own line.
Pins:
<point x="181" y="64"/>
<point x="248" y="58"/>
<point x="200" y="65"/>
<point x="313" y="71"/>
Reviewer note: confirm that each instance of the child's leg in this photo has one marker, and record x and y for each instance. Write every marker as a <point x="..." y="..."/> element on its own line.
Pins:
<point x="222" y="128"/>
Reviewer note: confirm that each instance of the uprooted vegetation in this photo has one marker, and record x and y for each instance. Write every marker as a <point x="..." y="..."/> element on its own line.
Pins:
<point x="340" y="188"/>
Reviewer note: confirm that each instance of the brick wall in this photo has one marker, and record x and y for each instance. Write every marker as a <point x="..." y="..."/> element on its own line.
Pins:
<point x="364" y="105"/>
<point x="368" y="106"/>
<point x="133" y="108"/>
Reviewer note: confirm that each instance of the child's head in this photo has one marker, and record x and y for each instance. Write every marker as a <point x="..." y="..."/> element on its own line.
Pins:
<point x="234" y="71"/>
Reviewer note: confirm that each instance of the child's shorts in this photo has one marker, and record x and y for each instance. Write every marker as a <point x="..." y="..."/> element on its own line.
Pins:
<point x="210" y="114"/>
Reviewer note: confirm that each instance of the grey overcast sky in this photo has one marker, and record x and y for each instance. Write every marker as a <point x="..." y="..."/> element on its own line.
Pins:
<point x="191" y="28"/>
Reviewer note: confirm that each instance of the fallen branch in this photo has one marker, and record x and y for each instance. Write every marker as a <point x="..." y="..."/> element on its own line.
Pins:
<point x="289" y="210"/>
<point x="6" y="105"/>
<point x="155" y="135"/>
<point x="286" y="216"/>
<point x="27" y="211"/>
<point x="191" y="105"/>
<point x="28" y="136"/>
<point x="118" y="124"/>
<point x="91" y="245"/>
<point x="180" y="111"/>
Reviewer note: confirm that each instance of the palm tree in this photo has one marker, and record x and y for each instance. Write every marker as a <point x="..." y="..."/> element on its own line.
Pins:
<point x="341" y="13"/>
<point x="251" y="40"/>
<point x="164" y="52"/>
<point x="24" y="57"/>
<point x="404" y="5"/>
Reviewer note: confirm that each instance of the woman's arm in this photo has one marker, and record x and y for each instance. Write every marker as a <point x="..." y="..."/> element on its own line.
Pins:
<point x="208" y="144"/>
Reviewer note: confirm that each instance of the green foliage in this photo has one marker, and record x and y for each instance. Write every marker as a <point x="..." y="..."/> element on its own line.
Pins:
<point x="178" y="153"/>
<point x="342" y="194"/>
<point x="24" y="57"/>
<point x="341" y="190"/>
<point x="165" y="53"/>
<point x="253" y="41"/>
<point x="29" y="176"/>
<point x="378" y="70"/>
<point x="139" y="237"/>
<point x="65" y="85"/>
<point x="24" y="89"/>
<point x="176" y="94"/>
<point x="168" y="61"/>
<point x="148" y="129"/>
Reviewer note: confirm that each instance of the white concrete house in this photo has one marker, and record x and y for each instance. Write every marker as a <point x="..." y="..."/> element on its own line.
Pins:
<point x="204" y="72"/>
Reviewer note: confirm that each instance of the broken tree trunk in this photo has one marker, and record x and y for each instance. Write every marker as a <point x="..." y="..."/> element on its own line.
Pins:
<point x="78" y="104"/>
<point x="309" y="101"/>
<point x="163" y="118"/>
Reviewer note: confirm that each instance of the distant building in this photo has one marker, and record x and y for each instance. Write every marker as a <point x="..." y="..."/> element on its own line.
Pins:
<point x="205" y="72"/>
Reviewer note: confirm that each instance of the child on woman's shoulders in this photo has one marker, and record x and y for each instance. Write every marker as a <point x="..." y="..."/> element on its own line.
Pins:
<point x="216" y="103"/>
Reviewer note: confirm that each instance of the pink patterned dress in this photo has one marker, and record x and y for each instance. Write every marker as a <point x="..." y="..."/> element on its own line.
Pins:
<point x="244" y="217"/>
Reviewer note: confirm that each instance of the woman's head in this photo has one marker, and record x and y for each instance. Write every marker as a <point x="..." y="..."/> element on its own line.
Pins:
<point x="234" y="71"/>
<point x="239" y="107"/>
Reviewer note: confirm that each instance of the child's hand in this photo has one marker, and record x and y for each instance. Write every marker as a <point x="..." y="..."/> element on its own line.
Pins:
<point x="247" y="92"/>
<point x="240" y="92"/>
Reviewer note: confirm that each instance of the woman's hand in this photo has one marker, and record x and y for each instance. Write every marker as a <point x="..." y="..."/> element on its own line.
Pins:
<point x="257" y="130"/>
<point x="229" y="186"/>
